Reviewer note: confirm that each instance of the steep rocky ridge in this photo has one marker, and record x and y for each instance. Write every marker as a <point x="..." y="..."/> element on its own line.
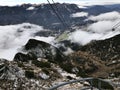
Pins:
<point x="39" y="49"/>
<point x="108" y="51"/>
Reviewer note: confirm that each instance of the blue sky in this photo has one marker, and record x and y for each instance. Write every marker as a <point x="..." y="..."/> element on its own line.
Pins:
<point x="14" y="2"/>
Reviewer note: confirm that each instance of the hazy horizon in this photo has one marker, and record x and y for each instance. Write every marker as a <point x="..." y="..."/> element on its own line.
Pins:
<point x="82" y="2"/>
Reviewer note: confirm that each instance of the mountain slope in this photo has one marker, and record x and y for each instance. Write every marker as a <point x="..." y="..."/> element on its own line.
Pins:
<point x="44" y="16"/>
<point x="108" y="51"/>
<point x="50" y="68"/>
<point x="40" y="14"/>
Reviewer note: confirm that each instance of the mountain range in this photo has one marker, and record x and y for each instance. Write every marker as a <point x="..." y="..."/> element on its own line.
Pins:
<point x="43" y="14"/>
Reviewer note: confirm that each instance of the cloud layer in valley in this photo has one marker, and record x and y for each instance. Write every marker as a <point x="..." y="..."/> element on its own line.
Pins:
<point x="99" y="30"/>
<point x="15" y="36"/>
<point x="106" y="16"/>
<point x="104" y="22"/>
<point x="83" y="2"/>
<point x="84" y="37"/>
<point x="101" y="27"/>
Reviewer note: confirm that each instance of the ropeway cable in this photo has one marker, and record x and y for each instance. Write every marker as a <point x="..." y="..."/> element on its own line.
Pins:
<point x="116" y="26"/>
<point x="58" y="11"/>
<point x="57" y="14"/>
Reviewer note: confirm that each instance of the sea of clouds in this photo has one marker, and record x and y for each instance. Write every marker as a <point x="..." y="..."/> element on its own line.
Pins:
<point x="13" y="37"/>
<point x="99" y="30"/>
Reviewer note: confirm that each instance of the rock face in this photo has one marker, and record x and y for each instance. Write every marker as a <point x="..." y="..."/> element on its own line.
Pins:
<point x="39" y="49"/>
<point x="65" y="44"/>
<point x="36" y="50"/>
<point x="89" y="65"/>
<point x="27" y="75"/>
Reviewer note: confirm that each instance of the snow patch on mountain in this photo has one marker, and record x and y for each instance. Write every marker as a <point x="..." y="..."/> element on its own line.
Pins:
<point x="81" y="6"/>
<point x="49" y="39"/>
<point x="30" y="8"/>
<point x="79" y="14"/>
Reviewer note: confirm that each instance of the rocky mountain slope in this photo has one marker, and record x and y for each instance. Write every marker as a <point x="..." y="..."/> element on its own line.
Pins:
<point x="40" y="68"/>
<point x="41" y="64"/>
<point x="108" y="51"/>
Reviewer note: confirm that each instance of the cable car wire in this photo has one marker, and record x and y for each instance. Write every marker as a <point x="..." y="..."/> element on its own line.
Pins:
<point x="57" y="14"/>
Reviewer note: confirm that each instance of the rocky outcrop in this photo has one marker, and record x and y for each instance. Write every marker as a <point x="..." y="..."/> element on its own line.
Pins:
<point x="27" y="75"/>
<point x="89" y="65"/>
<point x="24" y="57"/>
<point x="35" y="50"/>
<point x="39" y="49"/>
<point x="107" y="50"/>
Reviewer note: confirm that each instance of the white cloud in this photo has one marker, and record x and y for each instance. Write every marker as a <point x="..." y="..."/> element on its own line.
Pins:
<point x="105" y="22"/>
<point x="15" y="36"/>
<point x="81" y="2"/>
<point x="100" y="30"/>
<point x="79" y="14"/>
<point x="101" y="26"/>
<point x="83" y="37"/>
<point x="106" y="16"/>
